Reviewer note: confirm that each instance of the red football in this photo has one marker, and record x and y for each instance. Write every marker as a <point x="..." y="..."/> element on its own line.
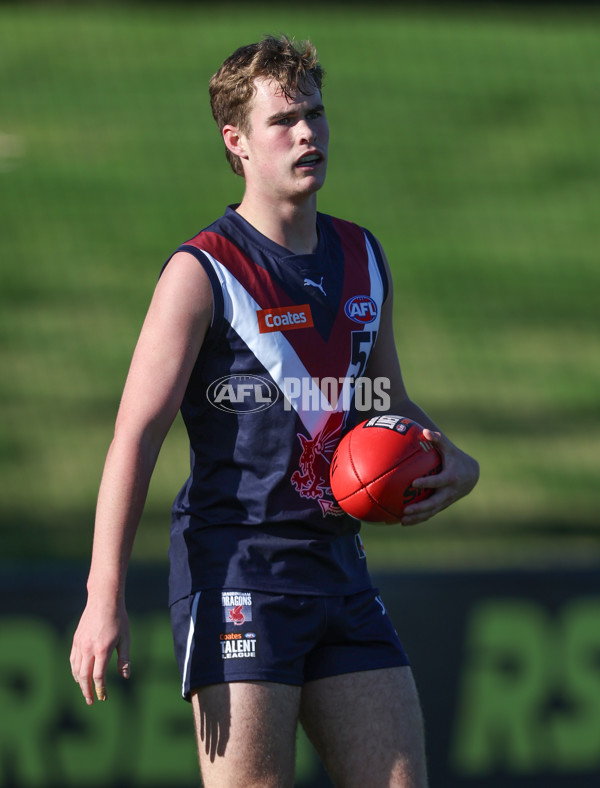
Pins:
<point x="375" y="464"/>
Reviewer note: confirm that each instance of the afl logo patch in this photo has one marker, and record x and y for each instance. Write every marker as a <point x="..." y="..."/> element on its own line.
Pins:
<point x="361" y="309"/>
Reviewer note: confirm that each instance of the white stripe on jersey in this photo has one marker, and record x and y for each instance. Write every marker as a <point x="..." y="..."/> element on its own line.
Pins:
<point x="376" y="294"/>
<point x="375" y="277"/>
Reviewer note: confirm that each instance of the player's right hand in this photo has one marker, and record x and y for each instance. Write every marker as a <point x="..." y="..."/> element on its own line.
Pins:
<point x="99" y="633"/>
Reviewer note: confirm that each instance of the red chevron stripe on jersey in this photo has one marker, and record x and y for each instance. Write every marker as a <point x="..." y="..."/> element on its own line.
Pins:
<point x="321" y="356"/>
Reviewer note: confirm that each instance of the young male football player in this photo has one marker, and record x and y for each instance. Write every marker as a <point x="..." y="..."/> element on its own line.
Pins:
<point x="274" y="615"/>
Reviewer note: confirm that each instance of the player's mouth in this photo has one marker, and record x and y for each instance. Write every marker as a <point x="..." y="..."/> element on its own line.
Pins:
<point x="309" y="160"/>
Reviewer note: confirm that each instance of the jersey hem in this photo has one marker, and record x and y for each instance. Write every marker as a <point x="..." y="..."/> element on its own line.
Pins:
<point x="296" y="590"/>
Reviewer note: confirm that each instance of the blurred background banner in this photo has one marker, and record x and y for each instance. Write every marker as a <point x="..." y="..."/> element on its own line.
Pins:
<point x="466" y="138"/>
<point x="506" y="663"/>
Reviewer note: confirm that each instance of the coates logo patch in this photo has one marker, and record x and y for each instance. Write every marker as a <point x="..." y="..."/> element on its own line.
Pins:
<point x="237" y="607"/>
<point x="284" y="318"/>
<point x="361" y="309"/>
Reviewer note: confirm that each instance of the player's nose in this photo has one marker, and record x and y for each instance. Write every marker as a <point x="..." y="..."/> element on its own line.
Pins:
<point x="307" y="132"/>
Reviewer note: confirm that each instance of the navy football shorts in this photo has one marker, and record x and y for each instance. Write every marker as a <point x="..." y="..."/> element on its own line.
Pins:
<point x="238" y="635"/>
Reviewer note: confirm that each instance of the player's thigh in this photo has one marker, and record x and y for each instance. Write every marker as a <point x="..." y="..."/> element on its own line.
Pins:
<point x="246" y="733"/>
<point x="367" y="728"/>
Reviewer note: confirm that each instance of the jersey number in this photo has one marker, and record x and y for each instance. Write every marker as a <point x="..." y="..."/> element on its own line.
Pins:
<point x="362" y="344"/>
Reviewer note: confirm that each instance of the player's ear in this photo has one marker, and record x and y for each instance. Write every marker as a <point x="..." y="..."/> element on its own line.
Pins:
<point x="235" y="140"/>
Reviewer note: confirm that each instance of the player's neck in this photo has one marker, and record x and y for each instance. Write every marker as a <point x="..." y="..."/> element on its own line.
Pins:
<point x="291" y="225"/>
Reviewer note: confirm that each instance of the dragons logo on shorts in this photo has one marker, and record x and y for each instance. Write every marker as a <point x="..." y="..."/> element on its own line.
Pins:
<point x="237" y="607"/>
<point x="312" y="478"/>
<point x="236" y="615"/>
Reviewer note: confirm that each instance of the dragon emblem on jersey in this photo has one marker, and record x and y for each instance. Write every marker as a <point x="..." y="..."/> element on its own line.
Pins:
<point x="236" y="615"/>
<point x="312" y="479"/>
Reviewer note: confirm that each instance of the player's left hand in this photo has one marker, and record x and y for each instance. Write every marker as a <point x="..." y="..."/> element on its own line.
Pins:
<point x="457" y="478"/>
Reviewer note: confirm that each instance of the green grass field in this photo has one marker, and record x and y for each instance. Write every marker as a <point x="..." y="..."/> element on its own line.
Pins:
<point x="467" y="142"/>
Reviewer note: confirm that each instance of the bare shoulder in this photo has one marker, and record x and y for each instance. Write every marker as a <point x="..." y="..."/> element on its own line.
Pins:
<point x="176" y="323"/>
<point x="179" y="314"/>
<point x="183" y="290"/>
<point x="184" y="270"/>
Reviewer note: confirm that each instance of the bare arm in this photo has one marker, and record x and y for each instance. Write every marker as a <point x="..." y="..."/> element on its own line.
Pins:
<point x="171" y="337"/>
<point x="460" y="471"/>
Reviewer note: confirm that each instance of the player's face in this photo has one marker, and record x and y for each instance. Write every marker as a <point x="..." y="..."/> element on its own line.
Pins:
<point x="287" y="143"/>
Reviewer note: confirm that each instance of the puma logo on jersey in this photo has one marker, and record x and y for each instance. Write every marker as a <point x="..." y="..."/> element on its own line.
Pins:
<point x="319" y="286"/>
<point x="284" y="318"/>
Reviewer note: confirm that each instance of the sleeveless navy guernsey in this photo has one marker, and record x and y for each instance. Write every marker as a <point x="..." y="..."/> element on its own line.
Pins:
<point x="269" y="398"/>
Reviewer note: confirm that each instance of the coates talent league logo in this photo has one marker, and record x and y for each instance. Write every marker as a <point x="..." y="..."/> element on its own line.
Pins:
<point x="361" y="309"/>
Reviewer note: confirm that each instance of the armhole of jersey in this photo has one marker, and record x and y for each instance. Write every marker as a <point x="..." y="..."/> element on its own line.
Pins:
<point x="380" y="264"/>
<point x="216" y="322"/>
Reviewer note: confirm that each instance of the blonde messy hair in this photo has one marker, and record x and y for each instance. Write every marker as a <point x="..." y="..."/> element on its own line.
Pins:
<point x="232" y="87"/>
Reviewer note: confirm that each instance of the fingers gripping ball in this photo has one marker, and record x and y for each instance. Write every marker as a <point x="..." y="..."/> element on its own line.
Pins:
<point x="375" y="464"/>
